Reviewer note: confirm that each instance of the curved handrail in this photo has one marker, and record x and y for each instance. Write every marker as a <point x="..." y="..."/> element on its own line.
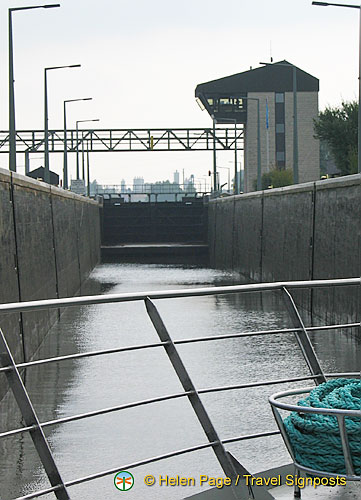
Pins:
<point x="308" y="409"/>
<point x="171" y="294"/>
<point x="339" y="413"/>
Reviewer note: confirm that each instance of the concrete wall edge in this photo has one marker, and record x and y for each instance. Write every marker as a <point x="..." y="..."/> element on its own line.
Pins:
<point x="24" y="181"/>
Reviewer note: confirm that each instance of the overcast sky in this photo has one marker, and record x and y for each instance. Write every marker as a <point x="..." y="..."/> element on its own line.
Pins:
<point x="141" y="61"/>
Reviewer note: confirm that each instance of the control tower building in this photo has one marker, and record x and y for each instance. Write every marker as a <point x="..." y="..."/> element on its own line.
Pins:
<point x="234" y="98"/>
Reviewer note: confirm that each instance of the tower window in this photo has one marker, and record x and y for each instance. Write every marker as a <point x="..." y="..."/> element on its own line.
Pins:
<point x="280" y="129"/>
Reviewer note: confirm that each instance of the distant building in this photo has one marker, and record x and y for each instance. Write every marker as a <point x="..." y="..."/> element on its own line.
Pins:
<point x="38" y="174"/>
<point x="189" y="184"/>
<point x="176" y="177"/>
<point x="232" y="99"/>
<point x="138" y="185"/>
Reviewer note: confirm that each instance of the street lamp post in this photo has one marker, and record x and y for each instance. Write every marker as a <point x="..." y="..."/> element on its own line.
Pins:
<point x="77" y="145"/>
<point x="236" y="187"/>
<point x="46" y="119"/>
<point x="65" y="164"/>
<point x="239" y="175"/>
<point x="234" y="120"/>
<point x="259" y="172"/>
<point x="205" y="176"/>
<point x="295" y="126"/>
<point x="259" y="176"/>
<point x="229" y="177"/>
<point x="215" y="186"/>
<point x="27" y="161"/>
<point x="87" y="169"/>
<point x="77" y="150"/>
<point x="12" y="131"/>
<point x="230" y="120"/>
<point x="327" y="4"/>
<point x="259" y="182"/>
<point x="82" y="159"/>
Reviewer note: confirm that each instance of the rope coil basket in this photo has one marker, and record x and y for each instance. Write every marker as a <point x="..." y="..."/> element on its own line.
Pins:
<point x="315" y="438"/>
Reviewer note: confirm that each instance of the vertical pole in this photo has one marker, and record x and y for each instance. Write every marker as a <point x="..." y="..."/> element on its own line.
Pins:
<point x="27" y="162"/>
<point x="46" y="138"/>
<point x="267" y="136"/>
<point x="88" y="169"/>
<point x="214" y="156"/>
<point x="241" y="180"/>
<point x="12" y="133"/>
<point x="65" y="164"/>
<point x="82" y="157"/>
<point x="31" y="419"/>
<point x="259" y="177"/>
<point x="359" y="103"/>
<point x="295" y="133"/>
<point x="235" y="159"/>
<point x="303" y="339"/>
<point x="77" y="152"/>
<point x="350" y="471"/>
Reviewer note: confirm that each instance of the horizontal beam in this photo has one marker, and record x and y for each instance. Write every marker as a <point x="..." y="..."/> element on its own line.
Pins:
<point x="170" y="294"/>
<point x="126" y="140"/>
<point x="212" y="338"/>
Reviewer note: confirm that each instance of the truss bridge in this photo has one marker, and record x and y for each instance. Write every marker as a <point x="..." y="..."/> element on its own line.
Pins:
<point x="126" y="140"/>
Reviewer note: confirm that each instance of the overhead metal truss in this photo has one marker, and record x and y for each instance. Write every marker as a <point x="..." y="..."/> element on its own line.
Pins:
<point x="126" y="140"/>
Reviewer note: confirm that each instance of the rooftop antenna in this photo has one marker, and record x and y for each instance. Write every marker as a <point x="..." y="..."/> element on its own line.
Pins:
<point x="270" y="51"/>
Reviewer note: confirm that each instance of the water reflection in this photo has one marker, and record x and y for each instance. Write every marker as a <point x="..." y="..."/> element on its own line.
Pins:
<point x="117" y="439"/>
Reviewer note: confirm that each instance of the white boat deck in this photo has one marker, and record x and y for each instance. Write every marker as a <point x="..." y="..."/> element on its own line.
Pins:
<point x="352" y="491"/>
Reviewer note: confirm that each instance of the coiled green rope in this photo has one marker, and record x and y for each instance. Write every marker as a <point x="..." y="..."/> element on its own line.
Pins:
<point x="315" y="438"/>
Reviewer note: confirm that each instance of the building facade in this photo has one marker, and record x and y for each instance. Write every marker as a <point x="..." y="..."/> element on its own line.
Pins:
<point x="235" y="99"/>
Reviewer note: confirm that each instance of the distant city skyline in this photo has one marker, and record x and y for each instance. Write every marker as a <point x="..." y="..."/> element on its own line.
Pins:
<point x="141" y="63"/>
<point x="161" y="190"/>
<point x="140" y="182"/>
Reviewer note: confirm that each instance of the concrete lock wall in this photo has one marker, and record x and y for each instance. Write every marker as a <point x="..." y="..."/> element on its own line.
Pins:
<point x="49" y="243"/>
<point x="308" y="231"/>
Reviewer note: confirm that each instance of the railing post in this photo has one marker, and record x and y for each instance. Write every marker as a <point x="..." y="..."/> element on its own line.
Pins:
<point x="345" y="446"/>
<point x="303" y="338"/>
<point x="31" y="419"/>
<point x="241" y="492"/>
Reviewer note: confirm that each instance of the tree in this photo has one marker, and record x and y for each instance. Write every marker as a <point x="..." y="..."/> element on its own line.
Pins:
<point x="338" y="126"/>
<point x="276" y="178"/>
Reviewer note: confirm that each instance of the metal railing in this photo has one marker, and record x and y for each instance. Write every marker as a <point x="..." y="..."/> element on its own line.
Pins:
<point x="148" y="192"/>
<point x="153" y="188"/>
<point x="340" y="416"/>
<point x="35" y="428"/>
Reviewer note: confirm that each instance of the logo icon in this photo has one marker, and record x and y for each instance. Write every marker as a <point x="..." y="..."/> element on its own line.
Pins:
<point x="123" y="480"/>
